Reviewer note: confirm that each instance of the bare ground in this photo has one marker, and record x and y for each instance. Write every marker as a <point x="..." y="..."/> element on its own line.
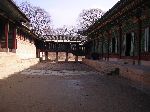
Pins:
<point x="69" y="87"/>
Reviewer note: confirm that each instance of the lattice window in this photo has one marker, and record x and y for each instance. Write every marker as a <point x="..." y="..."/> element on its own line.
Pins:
<point x="132" y="43"/>
<point x="105" y="46"/>
<point x="123" y="45"/>
<point x="114" y="43"/>
<point x="147" y="39"/>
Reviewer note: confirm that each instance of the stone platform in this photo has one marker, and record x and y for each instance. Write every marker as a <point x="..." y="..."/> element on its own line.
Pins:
<point x="138" y="75"/>
<point x="10" y="63"/>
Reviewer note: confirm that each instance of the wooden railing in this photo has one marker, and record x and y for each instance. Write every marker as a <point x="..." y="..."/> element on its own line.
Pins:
<point x="74" y="48"/>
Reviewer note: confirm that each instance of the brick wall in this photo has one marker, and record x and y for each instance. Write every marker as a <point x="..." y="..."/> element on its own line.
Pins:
<point x="25" y="48"/>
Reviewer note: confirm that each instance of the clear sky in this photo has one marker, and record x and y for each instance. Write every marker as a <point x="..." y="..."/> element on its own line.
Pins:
<point x="65" y="12"/>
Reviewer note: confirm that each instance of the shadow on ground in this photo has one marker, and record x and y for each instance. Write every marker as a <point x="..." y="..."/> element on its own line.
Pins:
<point x="69" y="87"/>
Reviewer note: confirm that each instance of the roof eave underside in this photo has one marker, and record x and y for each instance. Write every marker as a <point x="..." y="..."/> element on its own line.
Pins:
<point x="9" y="9"/>
<point x="117" y="7"/>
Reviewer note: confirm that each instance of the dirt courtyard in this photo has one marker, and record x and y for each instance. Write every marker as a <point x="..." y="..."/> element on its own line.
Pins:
<point x="69" y="87"/>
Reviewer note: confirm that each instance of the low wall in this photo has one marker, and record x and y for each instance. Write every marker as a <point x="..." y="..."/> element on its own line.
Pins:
<point x="138" y="74"/>
<point x="11" y="64"/>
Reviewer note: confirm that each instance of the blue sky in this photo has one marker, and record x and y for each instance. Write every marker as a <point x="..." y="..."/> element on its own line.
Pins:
<point x="65" y="12"/>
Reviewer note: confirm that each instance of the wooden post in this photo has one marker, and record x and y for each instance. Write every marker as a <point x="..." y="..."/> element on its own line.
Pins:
<point x="139" y="40"/>
<point x="46" y="55"/>
<point x="120" y="41"/>
<point x="14" y="39"/>
<point x="93" y="45"/>
<point x="138" y="15"/>
<point x="77" y="50"/>
<point x="102" y="48"/>
<point x="0" y="44"/>
<point x="57" y="56"/>
<point x="108" y="52"/>
<point x="37" y="53"/>
<point x="6" y="35"/>
<point x="97" y="47"/>
<point x="66" y="57"/>
<point x="76" y="58"/>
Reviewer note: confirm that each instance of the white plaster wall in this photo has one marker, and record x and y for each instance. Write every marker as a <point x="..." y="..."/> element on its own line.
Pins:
<point x="25" y="49"/>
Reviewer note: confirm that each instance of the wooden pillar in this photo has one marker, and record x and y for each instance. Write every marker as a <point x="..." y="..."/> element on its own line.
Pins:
<point x="46" y="55"/>
<point x="77" y="50"/>
<point x="94" y="45"/>
<point x="139" y="39"/>
<point x="76" y="58"/>
<point x="14" y="39"/>
<point x="108" y="51"/>
<point x="138" y="15"/>
<point x="66" y="57"/>
<point x="102" y="47"/>
<point x="37" y="53"/>
<point x="0" y="41"/>
<point x="0" y="44"/>
<point x="57" y="56"/>
<point x="120" y="41"/>
<point x="42" y="55"/>
<point x="6" y="34"/>
<point x="97" y="47"/>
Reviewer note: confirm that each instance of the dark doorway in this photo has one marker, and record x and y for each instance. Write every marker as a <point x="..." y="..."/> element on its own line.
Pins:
<point x="113" y="45"/>
<point x="2" y="34"/>
<point x="128" y="44"/>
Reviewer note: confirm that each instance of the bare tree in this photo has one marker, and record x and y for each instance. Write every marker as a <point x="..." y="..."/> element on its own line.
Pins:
<point x="40" y="20"/>
<point x="65" y="30"/>
<point x="61" y="30"/>
<point x="88" y="17"/>
<point x="67" y="33"/>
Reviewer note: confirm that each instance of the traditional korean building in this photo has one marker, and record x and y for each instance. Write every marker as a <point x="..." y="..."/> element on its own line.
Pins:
<point x="119" y="42"/>
<point x="15" y="37"/>
<point x="122" y="33"/>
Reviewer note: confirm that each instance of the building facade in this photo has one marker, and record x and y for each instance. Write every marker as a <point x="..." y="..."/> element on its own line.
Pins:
<point x="15" y="37"/>
<point x="122" y="33"/>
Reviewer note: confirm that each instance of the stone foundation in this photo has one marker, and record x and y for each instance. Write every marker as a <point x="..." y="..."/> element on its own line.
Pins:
<point x="138" y="74"/>
<point x="10" y="64"/>
<point x="130" y="61"/>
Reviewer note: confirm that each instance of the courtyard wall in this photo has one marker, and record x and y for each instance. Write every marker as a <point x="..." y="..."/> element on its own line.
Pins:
<point x="26" y="48"/>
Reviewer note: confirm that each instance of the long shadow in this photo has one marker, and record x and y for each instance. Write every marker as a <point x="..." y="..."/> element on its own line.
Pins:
<point x="45" y="66"/>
